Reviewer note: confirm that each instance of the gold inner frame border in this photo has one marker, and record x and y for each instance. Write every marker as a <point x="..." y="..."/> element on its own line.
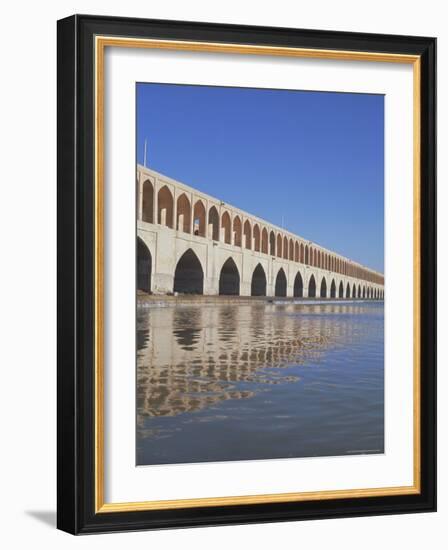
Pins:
<point x="101" y="42"/>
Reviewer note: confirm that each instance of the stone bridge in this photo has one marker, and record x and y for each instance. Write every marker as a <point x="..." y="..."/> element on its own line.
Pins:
<point x="189" y="242"/>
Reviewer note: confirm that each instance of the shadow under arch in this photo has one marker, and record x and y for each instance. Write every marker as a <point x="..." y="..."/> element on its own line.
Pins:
<point x="323" y="288"/>
<point x="258" y="284"/>
<point x="229" y="279"/>
<point x="189" y="276"/>
<point x="333" y="289"/>
<point x="280" y="283"/>
<point x="312" y="287"/>
<point x="144" y="266"/>
<point x="298" y="286"/>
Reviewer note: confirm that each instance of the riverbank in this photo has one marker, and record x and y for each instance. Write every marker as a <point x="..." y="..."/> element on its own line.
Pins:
<point x="151" y="300"/>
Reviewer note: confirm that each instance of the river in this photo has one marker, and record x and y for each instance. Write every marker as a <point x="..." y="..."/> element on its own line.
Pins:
<point x="259" y="381"/>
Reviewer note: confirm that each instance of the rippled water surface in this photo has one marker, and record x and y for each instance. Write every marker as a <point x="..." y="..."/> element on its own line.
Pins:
<point x="244" y="382"/>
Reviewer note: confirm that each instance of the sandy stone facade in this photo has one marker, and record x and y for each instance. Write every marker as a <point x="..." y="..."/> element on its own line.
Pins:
<point x="189" y="242"/>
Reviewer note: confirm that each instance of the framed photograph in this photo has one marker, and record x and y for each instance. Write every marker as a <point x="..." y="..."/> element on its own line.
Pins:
<point x="246" y="274"/>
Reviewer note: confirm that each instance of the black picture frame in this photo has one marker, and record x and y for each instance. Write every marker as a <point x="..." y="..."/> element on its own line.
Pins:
<point x="76" y="259"/>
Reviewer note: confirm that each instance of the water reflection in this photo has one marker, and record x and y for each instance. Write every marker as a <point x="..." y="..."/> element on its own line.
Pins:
<point x="214" y="348"/>
<point x="197" y="358"/>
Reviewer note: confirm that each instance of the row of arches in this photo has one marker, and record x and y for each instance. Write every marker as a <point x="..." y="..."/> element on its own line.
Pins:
<point x="195" y="219"/>
<point x="189" y="279"/>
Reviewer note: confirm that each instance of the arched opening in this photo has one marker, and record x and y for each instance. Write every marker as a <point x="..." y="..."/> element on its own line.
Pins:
<point x="347" y="291"/>
<point x="311" y="256"/>
<point x="183" y="214"/>
<point x="256" y="238"/>
<point x="213" y="224"/>
<point x="306" y="255"/>
<point x="165" y="207"/>
<point x="226" y="227"/>
<point x="297" y="252"/>
<point x="341" y="290"/>
<point x="247" y="235"/>
<point x="199" y="219"/>
<point x="359" y="291"/>
<point x="279" y="245"/>
<point x="229" y="279"/>
<point x="272" y="243"/>
<point x="333" y="289"/>
<point x="364" y="292"/>
<point x="298" y="285"/>
<point x="144" y="266"/>
<point x="302" y="254"/>
<point x="148" y="202"/>
<point x="264" y="241"/>
<point x="354" y="291"/>
<point x="312" y="287"/>
<point x="285" y="248"/>
<point x="237" y="231"/>
<point x="323" y="288"/>
<point x="189" y="277"/>
<point x="291" y="250"/>
<point x="258" y="285"/>
<point x="280" y="283"/>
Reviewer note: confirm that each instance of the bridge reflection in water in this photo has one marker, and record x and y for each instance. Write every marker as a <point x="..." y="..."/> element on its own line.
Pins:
<point x="233" y="382"/>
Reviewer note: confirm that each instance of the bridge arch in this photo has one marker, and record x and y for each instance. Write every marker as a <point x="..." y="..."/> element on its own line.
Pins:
<point x="199" y="219"/>
<point x="272" y="243"/>
<point x="144" y="266"/>
<point x="229" y="279"/>
<point x="264" y="240"/>
<point x="183" y="213"/>
<point x="285" y="247"/>
<point x="247" y="235"/>
<point x="213" y="223"/>
<point x="333" y="289"/>
<point x="347" y="291"/>
<point x="257" y="237"/>
<point x="189" y="275"/>
<point x="259" y="282"/>
<point x="298" y="285"/>
<point x="237" y="231"/>
<point x="323" y="288"/>
<point x="297" y="252"/>
<point x="165" y="203"/>
<point x="306" y="255"/>
<point x="312" y="287"/>
<point x="341" y="290"/>
<point x="363" y="291"/>
<point x="359" y="291"/>
<point x="280" y="283"/>
<point x="226" y="226"/>
<point x="279" y="245"/>
<point x="148" y="202"/>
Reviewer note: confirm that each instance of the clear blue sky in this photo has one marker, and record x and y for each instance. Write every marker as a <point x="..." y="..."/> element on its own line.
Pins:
<point x="310" y="161"/>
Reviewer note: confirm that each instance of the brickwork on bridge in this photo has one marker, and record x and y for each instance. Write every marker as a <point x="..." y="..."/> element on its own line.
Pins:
<point x="191" y="242"/>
